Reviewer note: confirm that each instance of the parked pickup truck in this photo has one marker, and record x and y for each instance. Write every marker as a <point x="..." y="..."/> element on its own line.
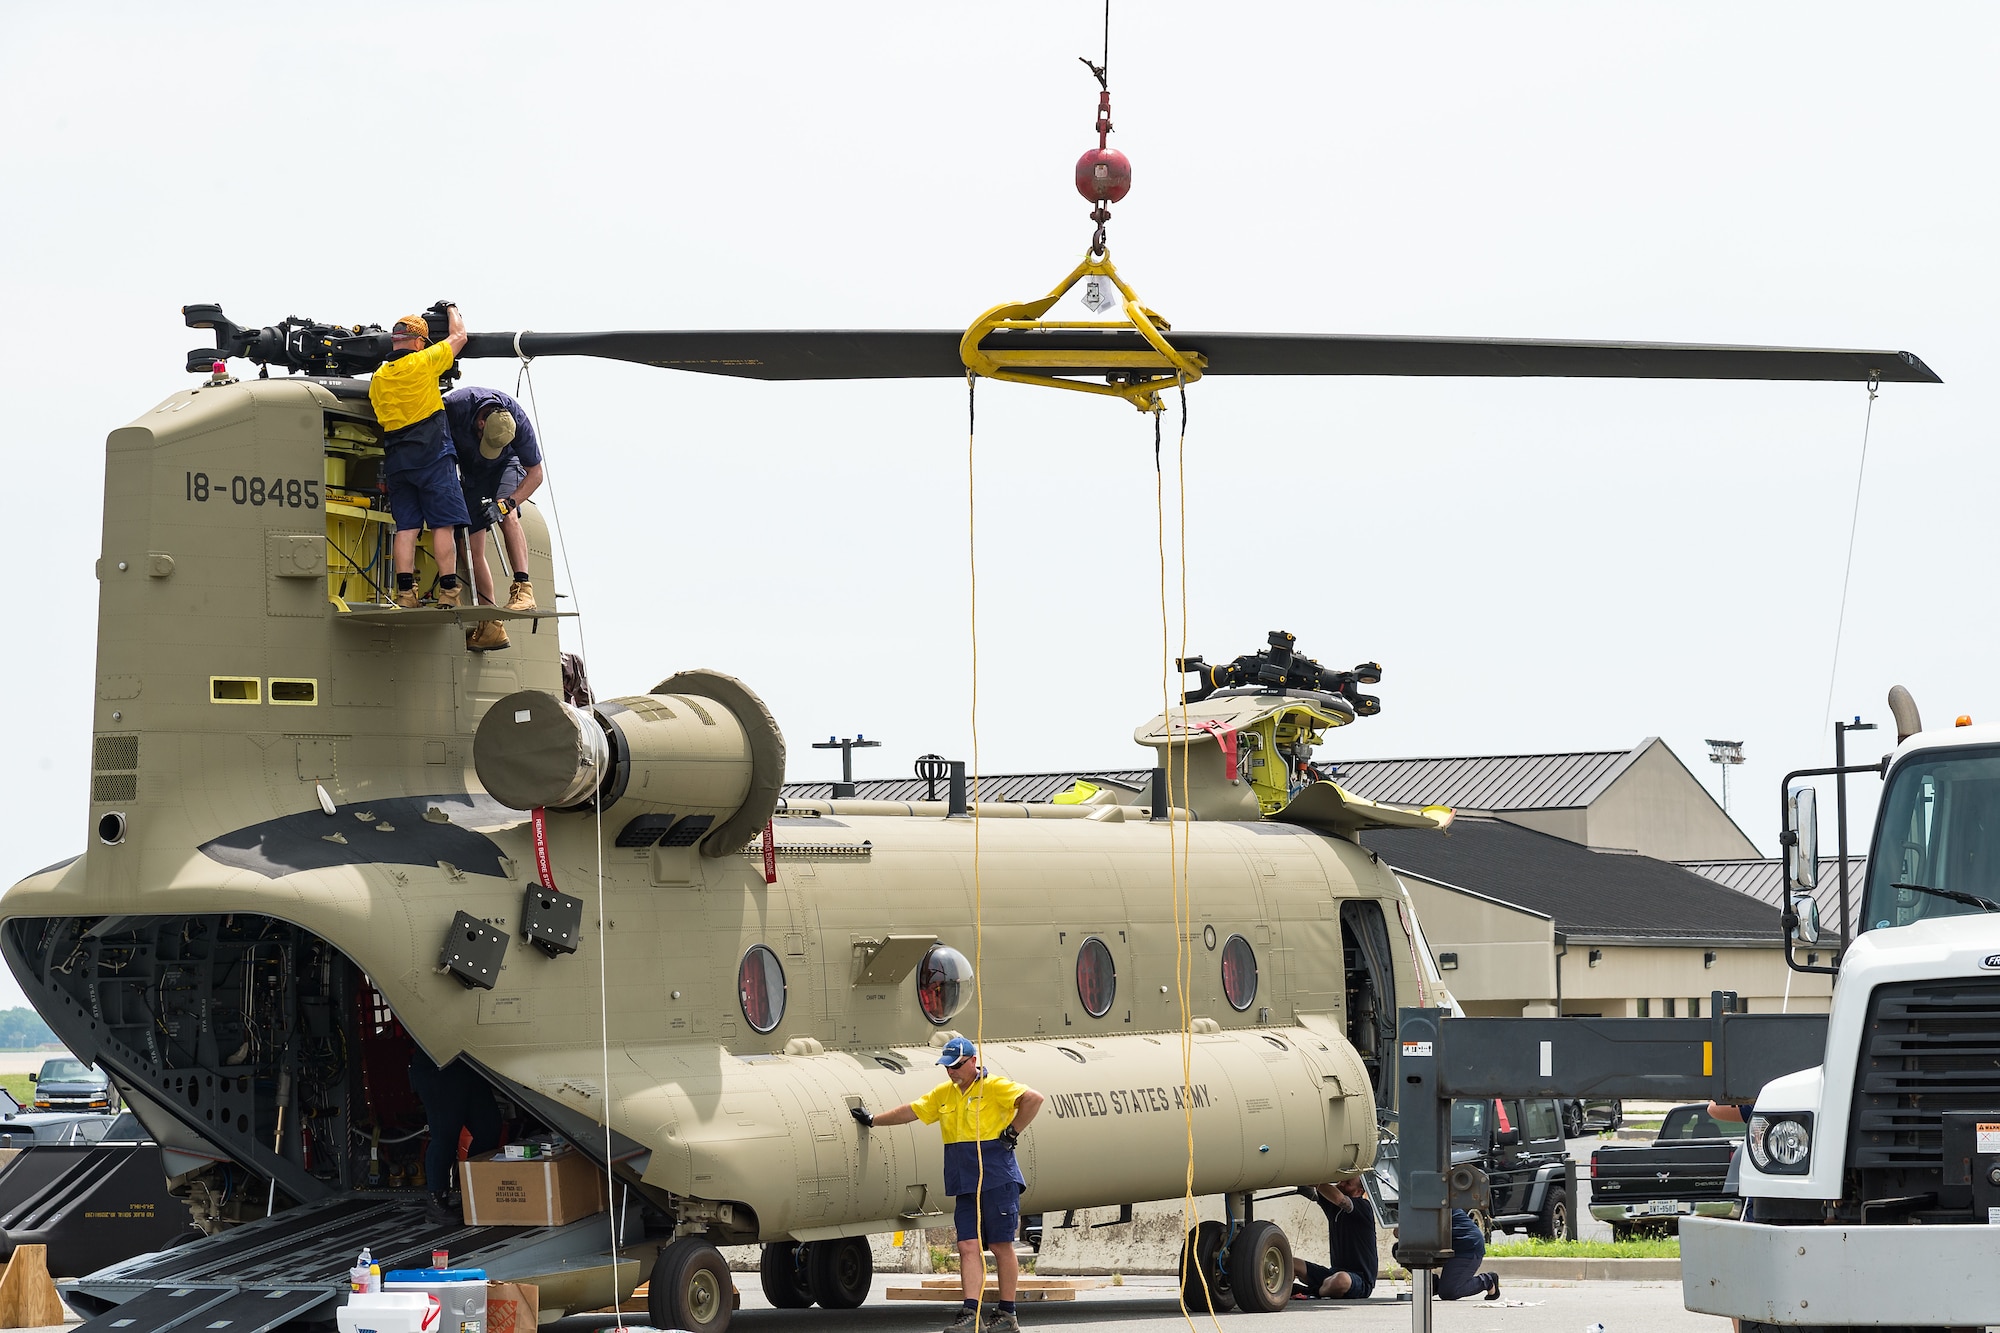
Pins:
<point x="1682" y="1172"/>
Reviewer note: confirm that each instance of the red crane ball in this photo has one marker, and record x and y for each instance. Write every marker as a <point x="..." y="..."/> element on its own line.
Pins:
<point x="1103" y="175"/>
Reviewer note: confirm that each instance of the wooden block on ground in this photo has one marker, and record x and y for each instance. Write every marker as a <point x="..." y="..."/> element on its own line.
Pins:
<point x="27" y="1293"/>
<point x="1024" y="1283"/>
<point x="1022" y="1294"/>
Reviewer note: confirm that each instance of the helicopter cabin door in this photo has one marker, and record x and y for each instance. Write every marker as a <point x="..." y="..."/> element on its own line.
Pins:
<point x="1371" y="992"/>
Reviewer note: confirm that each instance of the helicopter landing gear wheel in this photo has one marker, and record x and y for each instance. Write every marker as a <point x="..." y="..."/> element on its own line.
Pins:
<point x="781" y="1268"/>
<point x="1202" y="1284"/>
<point x="839" y="1272"/>
<point x="1260" y="1268"/>
<point x="691" y="1288"/>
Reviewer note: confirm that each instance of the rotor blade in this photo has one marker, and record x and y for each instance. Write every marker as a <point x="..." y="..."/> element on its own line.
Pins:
<point x="845" y="354"/>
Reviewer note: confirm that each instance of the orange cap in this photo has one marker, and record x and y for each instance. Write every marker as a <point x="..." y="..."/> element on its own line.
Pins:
<point x="413" y="326"/>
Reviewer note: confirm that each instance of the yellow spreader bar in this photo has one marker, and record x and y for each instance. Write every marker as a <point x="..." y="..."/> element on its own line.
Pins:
<point x="1136" y="376"/>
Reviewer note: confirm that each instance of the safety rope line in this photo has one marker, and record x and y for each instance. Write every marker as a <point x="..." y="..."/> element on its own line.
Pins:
<point x="1853" y="526"/>
<point x="613" y="1214"/>
<point x="1184" y="955"/>
<point x="978" y="895"/>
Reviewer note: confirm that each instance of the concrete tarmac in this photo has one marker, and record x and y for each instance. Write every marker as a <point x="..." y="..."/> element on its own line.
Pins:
<point x="1148" y="1304"/>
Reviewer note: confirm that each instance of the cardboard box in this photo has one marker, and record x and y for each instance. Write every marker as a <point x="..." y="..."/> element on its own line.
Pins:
<point x="539" y="1192"/>
<point x="512" y="1307"/>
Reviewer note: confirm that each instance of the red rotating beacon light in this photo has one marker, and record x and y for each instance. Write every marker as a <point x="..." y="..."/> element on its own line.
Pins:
<point x="1103" y="175"/>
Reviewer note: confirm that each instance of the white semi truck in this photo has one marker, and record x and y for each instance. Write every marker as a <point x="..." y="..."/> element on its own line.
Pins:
<point x="1872" y="1182"/>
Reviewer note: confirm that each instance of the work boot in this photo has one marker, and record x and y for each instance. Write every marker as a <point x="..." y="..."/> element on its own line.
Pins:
<point x="1002" y="1321"/>
<point x="407" y="598"/>
<point x="448" y="597"/>
<point x="1493" y="1286"/>
<point x="966" y="1321"/>
<point x="522" y="596"/>
<point x="487" y="636"/>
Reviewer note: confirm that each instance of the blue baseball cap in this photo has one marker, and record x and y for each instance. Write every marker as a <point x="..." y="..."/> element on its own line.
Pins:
<point x="958" y="1048"/>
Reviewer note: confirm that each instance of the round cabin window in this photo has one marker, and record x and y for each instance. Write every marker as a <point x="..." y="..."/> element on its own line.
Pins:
<point x="1096" y="977"/>
<point x="760" y="984"/>
<point x="944" y="983"/>
<point x="1239" y="973"/>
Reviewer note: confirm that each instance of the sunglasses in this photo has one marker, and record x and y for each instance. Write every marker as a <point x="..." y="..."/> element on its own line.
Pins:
<point x="962" y="1063"/>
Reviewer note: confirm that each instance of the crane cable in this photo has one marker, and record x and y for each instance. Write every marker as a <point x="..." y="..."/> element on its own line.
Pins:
<point x="1180" y="849"/>
<point x="1853" y="526"/>
<point x="978" y="898"/>
<point x="614" y="1213"/>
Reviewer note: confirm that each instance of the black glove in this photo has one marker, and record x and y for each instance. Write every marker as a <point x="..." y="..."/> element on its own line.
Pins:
<point x="1011" y="1137"/>
<point x="488" y="517"/>
<point x="862" y="1116"/>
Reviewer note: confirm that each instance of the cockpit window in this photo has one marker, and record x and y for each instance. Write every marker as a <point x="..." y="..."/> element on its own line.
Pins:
<point x="1938" y="843"/>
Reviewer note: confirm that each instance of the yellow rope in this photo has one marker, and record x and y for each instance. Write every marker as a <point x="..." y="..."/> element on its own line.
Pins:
<point x="1182" y="873"/>
<point x="978" y="899"/>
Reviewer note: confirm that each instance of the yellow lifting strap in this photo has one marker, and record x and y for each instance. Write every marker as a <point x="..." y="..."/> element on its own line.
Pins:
<point x="1137" y="375"/>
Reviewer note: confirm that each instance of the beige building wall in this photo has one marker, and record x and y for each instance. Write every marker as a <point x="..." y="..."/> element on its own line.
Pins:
<point x="1655" y="808"/>
<point x="1571" y="823"/>
<point x="1626" y="974"/>
<point x="1507" y="965"/>
<point x="1506" y="954"/>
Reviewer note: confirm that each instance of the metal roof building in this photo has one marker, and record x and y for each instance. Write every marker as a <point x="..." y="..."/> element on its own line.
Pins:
<point x="1639" y="800"/>
<point x="1764" y="880"/>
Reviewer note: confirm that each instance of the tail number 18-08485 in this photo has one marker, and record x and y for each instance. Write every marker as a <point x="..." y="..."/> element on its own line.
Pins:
<point x="284" y="492"/>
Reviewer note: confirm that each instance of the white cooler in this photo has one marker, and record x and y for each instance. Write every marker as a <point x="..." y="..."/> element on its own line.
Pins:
<point x="461" y="1292"/>
<point x="390" y="1312"/>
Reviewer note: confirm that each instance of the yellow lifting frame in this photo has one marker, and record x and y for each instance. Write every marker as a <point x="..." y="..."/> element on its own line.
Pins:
<point x="1137" y="376"/>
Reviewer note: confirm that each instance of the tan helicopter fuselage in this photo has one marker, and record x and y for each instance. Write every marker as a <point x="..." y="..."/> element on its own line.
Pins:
<point x="247" y="678"/>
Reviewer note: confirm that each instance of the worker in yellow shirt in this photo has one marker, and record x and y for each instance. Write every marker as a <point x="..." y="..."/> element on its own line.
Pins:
<point x="420" y="466"/>
<point x="982" y="1116"/>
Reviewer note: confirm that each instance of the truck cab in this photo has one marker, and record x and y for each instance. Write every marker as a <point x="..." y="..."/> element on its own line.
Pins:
<point x="1886" y="1157"/>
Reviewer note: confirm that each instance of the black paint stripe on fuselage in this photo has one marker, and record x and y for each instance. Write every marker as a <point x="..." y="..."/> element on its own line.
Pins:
<point x="292" y="843"/>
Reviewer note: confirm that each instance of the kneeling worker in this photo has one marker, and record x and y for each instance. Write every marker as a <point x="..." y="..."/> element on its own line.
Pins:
<point x="982" y="1116"/>
<point x="1353" y="1264"/>
<point x="419" y="465"/>
<point x="499" y="466"/>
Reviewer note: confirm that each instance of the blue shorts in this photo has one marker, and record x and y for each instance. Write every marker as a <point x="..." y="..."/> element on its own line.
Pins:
<point x="427" y="496"/>
<point x="482" y="491"/>
<point x="998" y="1208"/>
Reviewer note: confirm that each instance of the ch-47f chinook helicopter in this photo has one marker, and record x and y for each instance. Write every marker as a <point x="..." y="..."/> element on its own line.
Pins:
<point x="312" y="842"/>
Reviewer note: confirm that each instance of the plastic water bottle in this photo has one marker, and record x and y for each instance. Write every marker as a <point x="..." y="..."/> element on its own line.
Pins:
<point x="357" y="1276"/>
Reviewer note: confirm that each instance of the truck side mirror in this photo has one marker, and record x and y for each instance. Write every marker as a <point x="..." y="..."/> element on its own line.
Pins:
<point x="34" y="1078"/>
<point x="1507" y="1138"/>
<point x="1801" y="838"/>
<point x="1805" y="924"/>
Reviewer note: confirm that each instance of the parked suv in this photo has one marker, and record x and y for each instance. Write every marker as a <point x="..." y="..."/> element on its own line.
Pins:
<point x="72" y="1085"/>
<point x="1518" y="1142"/>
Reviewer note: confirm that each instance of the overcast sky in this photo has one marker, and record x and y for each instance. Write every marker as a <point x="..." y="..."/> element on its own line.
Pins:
<point x="1538" y="565"/>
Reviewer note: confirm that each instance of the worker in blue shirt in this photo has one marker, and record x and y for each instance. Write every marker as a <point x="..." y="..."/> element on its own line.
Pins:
<point x="499" y="467"/>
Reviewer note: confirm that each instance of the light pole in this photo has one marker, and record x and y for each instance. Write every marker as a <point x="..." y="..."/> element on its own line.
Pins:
<point x="844" y="789"/>
<point x="1728" y="754"/>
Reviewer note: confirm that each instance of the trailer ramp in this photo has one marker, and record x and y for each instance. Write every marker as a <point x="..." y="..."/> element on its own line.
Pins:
<point x="294" y="1266"/>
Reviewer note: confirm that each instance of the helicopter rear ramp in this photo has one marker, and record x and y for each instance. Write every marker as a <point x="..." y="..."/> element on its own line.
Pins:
<point x="294" y="1266"/>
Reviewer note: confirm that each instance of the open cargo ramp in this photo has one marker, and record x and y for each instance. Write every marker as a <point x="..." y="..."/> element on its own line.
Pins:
<point x="306" y="1252"/>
